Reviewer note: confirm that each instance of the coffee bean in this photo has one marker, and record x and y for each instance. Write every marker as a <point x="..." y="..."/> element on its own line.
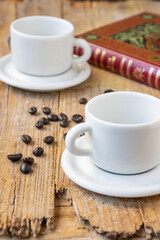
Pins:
<point x="26" y="138"/>
<point x="28" y="160"/>
<point x="108" y="91"/>
<point x="48" y="139"/>
<point x="39" y="124"/>
<point x="32" y="110"/>
<point x="83" y="101"/>
<point x="64" y="136"/>
<point x="44" y="120"/>
<point x="25" y="168"/>
<point x="15" y="157"/>
<point x="77" y="118"/>
<point x="53" y="117"/>
<point x="38" y="151"/>
<point x="46" y="110"/>
<point x="62" y="116"/>
<point x="64" y="123"/>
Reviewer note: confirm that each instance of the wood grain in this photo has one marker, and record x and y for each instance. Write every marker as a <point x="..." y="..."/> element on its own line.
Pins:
<point x="112" y="217"/>
<point x="29" y="200"/>
<point x="41" y="7"/>
<point x="27" y="203"/>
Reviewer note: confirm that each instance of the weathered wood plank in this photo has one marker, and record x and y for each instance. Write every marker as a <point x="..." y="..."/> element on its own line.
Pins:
<point x="67" y="225"/>
<point x="112" y="217"/>
<point x="30" y="197"/>
<point x="105" y="13"/>
<point x="80" y="14"/>
<point x="68" y="103"/>
<point x="26" y="200"/>
<point x="124" y="218"/>
<point x="41" y="7"/>
<point x="117" y="217"/>
<point x="6" y="17"/>
<point x="100" y="79"/>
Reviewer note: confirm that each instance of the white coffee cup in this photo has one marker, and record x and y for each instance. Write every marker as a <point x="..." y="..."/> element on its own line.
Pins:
<point x="43" y="45"/>
<point x="122" y="132"/>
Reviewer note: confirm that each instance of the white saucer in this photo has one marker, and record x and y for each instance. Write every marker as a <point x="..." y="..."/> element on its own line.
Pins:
<point x="75" y="75"/>
<point x="83" y="172"/>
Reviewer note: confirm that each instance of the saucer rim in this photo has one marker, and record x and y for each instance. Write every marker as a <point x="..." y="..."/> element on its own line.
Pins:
<point x="82" y="76"/>
<point x="141" y="191"/>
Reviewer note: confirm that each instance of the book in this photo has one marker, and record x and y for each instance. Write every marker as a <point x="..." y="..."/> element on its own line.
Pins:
<point x="130" y="48"/>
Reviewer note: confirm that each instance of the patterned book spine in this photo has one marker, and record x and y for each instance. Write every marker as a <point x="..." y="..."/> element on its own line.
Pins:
<point x="123" y="65"/>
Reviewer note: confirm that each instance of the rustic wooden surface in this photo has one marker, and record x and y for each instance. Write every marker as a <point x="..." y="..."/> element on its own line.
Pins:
<point x="46" y="202"/>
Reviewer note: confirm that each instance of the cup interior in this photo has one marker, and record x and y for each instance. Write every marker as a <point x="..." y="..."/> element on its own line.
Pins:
<point x="125" y="108"/>
<point x="42" y="26"/>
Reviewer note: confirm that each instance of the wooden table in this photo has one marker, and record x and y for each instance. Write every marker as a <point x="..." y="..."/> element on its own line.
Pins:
<point x="46" y="202"/>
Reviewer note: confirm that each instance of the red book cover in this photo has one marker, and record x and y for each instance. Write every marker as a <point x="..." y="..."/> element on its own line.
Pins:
<point x="130" y="47"/>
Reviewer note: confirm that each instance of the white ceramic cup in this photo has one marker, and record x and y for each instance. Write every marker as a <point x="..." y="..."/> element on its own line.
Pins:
<point x="122" y="132"/>
<point x="43" y="45"/>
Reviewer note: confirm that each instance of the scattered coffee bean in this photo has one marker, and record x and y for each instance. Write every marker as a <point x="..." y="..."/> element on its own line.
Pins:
<point x="44" y="120"/>
<point x="77" y="118"/>
<point x="25" y="168"/>
<point x="46" y="110"/>
<point x="15" y="157"/>
<point x="108" y="91"/>
<point x="32" y="110"/>
<point x="64" y="136"/>
<point x="83" y="101"/>
<point x="48" y="139"/>
<point x="64" y="123"/>
<point x="53" y="117"/>
<point x="62" y="116"/>
<point x="39" y="124"/>
<point x="28" y="160"/>
<point x="26" y="138"/>
<point x="38" y="151"/>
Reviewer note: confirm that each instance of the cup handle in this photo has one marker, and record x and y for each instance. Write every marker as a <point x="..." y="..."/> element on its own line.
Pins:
<point x="71" y="138"/>
<point x="86" y="48"/>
